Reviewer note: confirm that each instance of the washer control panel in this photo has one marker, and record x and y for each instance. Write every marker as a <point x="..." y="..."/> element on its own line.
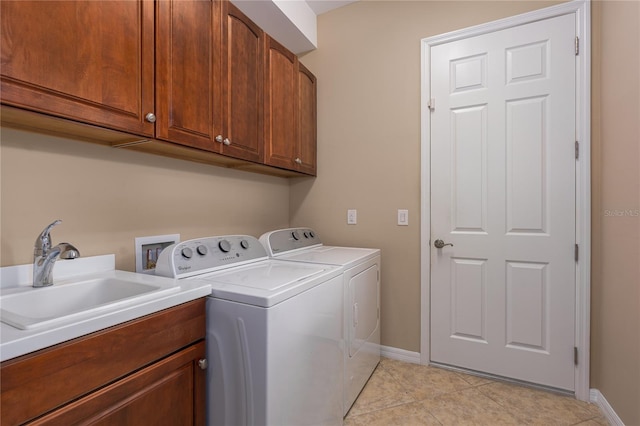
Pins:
<point x="285" y="240"/>
<point x="202" y="255"/>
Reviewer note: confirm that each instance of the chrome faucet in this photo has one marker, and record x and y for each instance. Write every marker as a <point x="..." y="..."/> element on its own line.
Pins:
<point x="44" y="256"/>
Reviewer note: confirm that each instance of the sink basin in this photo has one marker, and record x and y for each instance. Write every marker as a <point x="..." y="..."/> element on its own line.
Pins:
<point x="38" y="307"/>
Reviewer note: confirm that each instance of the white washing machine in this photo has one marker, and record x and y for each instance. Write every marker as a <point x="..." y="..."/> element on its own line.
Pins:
<point x="361" y="281"/>
<point x="274" y="332"/>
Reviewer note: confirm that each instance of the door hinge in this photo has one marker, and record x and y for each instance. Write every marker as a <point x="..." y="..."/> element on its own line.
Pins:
<point x="432" y="104"/>
<point x="575" y="355"/>
<point x="577" y="45"/>
<point x="575" y="254"/>
<point x="577" y="149"/>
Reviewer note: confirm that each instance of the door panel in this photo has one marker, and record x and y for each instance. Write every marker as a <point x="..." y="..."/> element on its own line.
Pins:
<point x="364" y="303"/>
<point x="243" y="44"/>
<point x="187" y="73"/>
<point x="104" y="78"/>
<point x="503" y="193"/>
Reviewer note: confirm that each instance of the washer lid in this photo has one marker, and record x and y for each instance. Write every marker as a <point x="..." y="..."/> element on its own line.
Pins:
<point x="342" y="256"/>
<point x="267" y="283"/>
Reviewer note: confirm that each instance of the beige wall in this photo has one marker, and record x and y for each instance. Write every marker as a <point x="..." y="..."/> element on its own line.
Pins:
<point x="106" y="197"/>
<point x="368" y="69"/>
<point x="615" y="283"/>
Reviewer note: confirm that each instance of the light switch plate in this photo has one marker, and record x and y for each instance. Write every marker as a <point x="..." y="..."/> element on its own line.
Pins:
<point x="352" y="217"/>
<point x="403" y="217"/>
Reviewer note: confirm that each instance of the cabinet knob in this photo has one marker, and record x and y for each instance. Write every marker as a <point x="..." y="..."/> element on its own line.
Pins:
<point x="150" y="117"/>
<point x="203" y="364"/>
<point x="219" y="138"/>
<point x="226" y="141"/>
<point x="298" y="161"/>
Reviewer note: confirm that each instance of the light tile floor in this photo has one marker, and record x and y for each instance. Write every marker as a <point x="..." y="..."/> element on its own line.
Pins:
<point x="401" y="393"/>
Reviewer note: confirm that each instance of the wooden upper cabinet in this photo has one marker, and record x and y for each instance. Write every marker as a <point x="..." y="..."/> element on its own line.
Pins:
<point x="188" y="95"/>
<point x="90" y="61"/>
<point x="209" y="67"/>
<point x="242" y="70"/>
<point x="307" y="120"/>
<point x="280" y="106"/>
<point x="290" y="111"/>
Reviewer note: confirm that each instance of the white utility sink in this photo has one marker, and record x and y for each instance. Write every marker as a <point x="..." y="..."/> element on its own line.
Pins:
<point x="30" y="308"/>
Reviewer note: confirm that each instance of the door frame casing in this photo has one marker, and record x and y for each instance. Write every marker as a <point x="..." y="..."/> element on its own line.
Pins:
<point x="581" y="9"/>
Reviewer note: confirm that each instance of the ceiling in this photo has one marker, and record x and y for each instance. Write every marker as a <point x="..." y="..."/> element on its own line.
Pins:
<point x="322" y="6"/>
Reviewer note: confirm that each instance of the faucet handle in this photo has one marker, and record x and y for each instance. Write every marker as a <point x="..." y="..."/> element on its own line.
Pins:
<point x="43" y="242"/>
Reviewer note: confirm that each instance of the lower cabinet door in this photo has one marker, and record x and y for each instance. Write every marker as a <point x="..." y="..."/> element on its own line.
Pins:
<point x="170" y="391"/>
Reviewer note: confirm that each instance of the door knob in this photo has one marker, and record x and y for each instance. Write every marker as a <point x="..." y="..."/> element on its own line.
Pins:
<point x="440" y="244"/>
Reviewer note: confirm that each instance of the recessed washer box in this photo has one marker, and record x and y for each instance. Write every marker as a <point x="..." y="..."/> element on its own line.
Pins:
<point x="148" y="249"/>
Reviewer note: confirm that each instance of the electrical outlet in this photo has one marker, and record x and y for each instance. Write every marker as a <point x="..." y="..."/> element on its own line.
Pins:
<point x="352" y="217"/>
<point x="403" y="217"/>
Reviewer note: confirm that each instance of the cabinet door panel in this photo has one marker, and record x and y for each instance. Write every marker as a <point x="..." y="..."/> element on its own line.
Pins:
<point x="164" y="393"/>
<point x="280" y="106"/>
<point x="83" y="60"/>
<point x="307" y="120"/>
<point x="242" y="85"/>
<point x="188" y="73"/>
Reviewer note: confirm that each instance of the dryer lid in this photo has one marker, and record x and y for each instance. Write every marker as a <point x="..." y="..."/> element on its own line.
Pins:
<point x="342" y="256"/>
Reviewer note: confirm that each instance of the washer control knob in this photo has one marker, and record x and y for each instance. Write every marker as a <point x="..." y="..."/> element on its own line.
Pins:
<point x="202" y="250"/>
<point x="225" y="246"/>
<point x="187" y="253"/>
<point x="311" y="234"/>
<point x="295" y="235"/>
<point x="244" y="244"/>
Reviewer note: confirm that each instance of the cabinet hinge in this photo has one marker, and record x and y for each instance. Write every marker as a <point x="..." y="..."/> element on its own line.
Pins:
<point x="577" y="45"/>
<point x="577" y="149"/>
<point x="432" y="104"/>
<point x="575" y="254"/>
<point x="575" y="355"/>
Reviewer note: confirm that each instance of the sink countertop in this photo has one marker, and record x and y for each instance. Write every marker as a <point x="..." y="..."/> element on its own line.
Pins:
<point x="15" y="342"/>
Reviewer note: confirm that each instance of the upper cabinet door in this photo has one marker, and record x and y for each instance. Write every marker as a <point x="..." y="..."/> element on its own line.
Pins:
<point x="90" y="61"/>
<point x="188" y="95"/>
<point x="307" y="121"/>
<point x="280" y="106"/>
<point x="242" y="85"/>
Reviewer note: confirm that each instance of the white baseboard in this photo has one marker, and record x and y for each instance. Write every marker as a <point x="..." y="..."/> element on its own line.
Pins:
<point x="400" y="354"/>
<point x="597" y="398"/>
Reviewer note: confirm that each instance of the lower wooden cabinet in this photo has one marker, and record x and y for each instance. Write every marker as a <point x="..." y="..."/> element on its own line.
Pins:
<point x="167" y="392"/>
<point x="148" y="371"/>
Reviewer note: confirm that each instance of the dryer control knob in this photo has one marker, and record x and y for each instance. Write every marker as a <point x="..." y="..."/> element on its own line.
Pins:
<point x="244" y="244"/>
<point x="202" y="250"/>
<point x="295" y="235"/>
<point x="225" y="246"/>
<point x="187" y="253"/>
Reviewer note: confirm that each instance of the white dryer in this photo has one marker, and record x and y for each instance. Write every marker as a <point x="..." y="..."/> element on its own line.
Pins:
<point x="274" y="332"/>
<point x="361" y="281"/>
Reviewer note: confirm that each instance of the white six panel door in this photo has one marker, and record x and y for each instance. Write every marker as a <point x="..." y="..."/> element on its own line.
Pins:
<point x="503" y="193"/>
